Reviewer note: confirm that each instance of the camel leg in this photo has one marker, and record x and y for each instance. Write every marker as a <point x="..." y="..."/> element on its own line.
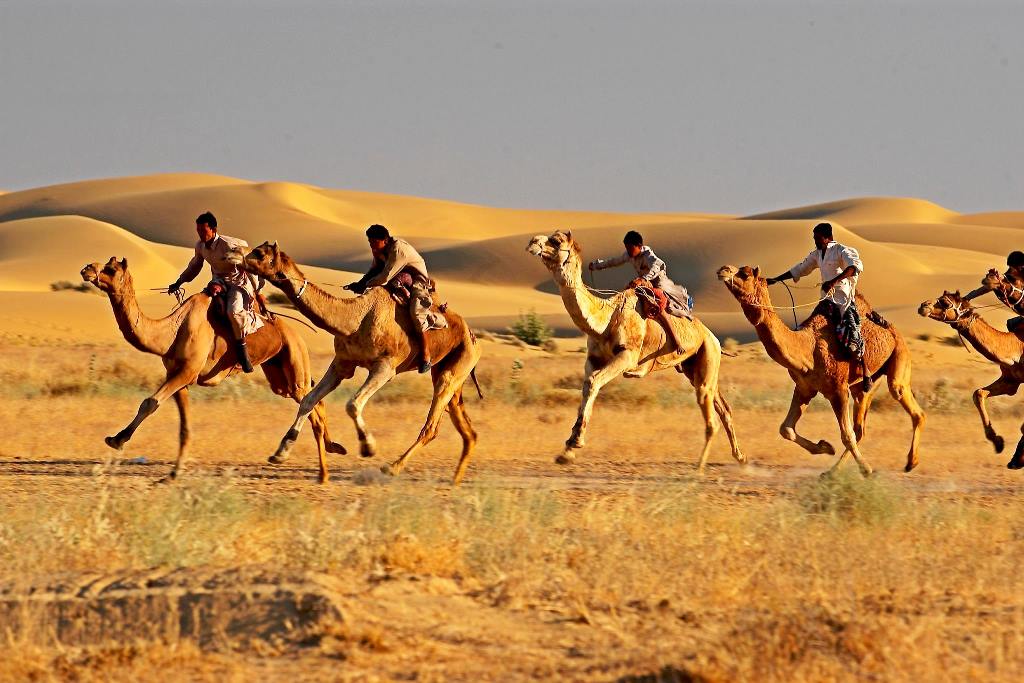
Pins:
<point x="724" y="411"/>
<point x="288" y="378"/>
<point x="841" y="406"/>
<point x="457" y="412"/>
<point x="330" y="381"/>
<point x="1001" y="387"/>
<point x="181" y="399"/>
<point x="788" y="427"/>
<point x="861" y="404"/>
<point x="595" y="379"/>
<point x="170" y="387"/>
<point x="705" y="381"/>
<point x="381" y="373"/>
<point x="1017" y="461"/>
<point x="899" y="388"/>
<point x="446" y="385"/>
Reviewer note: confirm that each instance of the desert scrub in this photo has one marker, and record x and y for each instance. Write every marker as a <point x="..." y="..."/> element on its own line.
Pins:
<point x="531" y="329"/>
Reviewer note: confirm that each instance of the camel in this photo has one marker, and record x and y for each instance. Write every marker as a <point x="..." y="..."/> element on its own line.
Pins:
<point x="620" y="341"/>
<point x="195" y="347"/>
<point x="811" y="356"/>
<point x="1005" y="349"/>
<point x="371" y="331"/>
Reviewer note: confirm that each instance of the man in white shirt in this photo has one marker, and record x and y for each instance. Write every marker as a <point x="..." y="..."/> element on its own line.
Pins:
<point x="840" y="268"/>
<point x="240" y="286"/>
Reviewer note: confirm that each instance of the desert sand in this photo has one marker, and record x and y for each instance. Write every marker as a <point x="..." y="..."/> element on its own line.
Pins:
<point x="912" y="248"/>
<point x="624" y="566"/>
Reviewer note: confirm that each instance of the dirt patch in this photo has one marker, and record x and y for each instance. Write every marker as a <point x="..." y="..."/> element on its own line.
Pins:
<point x="228" y="609"/>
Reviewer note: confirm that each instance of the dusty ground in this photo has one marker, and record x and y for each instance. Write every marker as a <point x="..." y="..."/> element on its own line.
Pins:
<point x="735" y="600"/>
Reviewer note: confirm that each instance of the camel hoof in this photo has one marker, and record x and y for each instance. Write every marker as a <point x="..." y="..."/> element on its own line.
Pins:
<point x="575" y="442"/>
<point x="1015" y="464"/>
<point x="825" y="448"/>
<point x="390" y="470"/>
<point x="367" y="449"/>
<point x="337" y="448"/>
<point x="868" y="473"/>
<point x="277" y="458"/>
<point x="114" y="443"/>
<point x="909" y="467"/>
<point x="565" y="459"/>
<point x="998" y="443"/>
<point x="323" y="478"/>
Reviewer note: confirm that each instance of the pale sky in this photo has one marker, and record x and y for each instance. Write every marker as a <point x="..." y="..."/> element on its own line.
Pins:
<point x="732" y="107"/>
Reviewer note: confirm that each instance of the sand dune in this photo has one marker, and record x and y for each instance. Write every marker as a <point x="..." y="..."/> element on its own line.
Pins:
<point x="865" y="210"/>
<point x="912" y="248"/>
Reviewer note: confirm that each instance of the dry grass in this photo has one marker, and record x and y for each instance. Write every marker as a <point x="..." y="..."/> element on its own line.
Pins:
<point x="766" y="573"/>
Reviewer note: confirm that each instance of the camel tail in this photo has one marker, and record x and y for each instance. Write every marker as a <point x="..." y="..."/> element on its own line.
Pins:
<point x="472" y="373"/>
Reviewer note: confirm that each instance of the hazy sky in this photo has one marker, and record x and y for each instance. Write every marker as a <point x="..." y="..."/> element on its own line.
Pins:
<point x="732" y="107"/>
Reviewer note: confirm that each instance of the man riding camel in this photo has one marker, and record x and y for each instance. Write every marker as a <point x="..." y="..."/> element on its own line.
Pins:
<point x="840" y="268"/>
<point x="239" y="286"/>
<point x="399" y="268"/>
<point x="1015" y="274"/>
<point x="652" y="276"/>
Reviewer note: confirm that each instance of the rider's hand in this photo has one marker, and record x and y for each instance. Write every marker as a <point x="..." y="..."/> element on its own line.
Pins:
<point x="591" y="266"/>
<point x="174" y="287"/>
<point x="356" y="287"/>
<point x="827" y="285"/>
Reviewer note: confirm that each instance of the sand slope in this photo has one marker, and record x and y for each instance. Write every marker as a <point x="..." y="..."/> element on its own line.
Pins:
<point x="912" y="248"/>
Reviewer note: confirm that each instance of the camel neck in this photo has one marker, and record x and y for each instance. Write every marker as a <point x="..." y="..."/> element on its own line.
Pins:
<point x="334" y="314"/>
<point x="590" y="313"/>
<point x="144" y="333"/>
<point x="791" y="349"/>
<point x="1004" y="348"/>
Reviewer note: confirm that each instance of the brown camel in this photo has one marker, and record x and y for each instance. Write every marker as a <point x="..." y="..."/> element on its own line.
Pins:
<point x="1005" y="349"/>
<point x="620" y="341"/>
<point x="813" y="360"/>
<point x="371" y="331"/>
<point x="195" y="346"/>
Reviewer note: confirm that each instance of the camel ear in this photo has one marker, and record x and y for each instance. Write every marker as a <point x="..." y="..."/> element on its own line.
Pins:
<point x="124" y="263"/>
<point x="112" y="260"/>
<point x="568" y="233"/>
<point x="757" y="271"/>
<point x="274" y="245"/>
<point x="958" y="293"/>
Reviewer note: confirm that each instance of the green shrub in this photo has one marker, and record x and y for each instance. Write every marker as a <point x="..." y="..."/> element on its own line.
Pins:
<point x="531" y="329"/>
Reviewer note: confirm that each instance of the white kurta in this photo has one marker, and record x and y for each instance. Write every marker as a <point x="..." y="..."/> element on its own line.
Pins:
<point x="242" y="286"/>
<point x="651" y="268"/>
<point x="833" y="262"/>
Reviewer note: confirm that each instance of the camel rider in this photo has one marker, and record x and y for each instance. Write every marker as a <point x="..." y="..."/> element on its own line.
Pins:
<point x="672" y="299"/>
<point x="399" y="268"/>
<point x="1014" y="273"/>
<point x="840" y="268"/>
<point x="240" y="287"/>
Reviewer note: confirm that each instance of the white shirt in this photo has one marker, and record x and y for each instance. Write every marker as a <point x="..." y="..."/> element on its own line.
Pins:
<point x="832" y="263"/>
<point x="217" y="256"/>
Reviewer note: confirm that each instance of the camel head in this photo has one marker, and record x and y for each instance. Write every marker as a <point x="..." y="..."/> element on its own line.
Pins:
<point x="559" y="253"/>
<point x="951" y="307"/>
<point x="267" y="260"/>
<point x="110" y="277"/>
<point x="993" y="279"/>
<point x="745" y="283"/>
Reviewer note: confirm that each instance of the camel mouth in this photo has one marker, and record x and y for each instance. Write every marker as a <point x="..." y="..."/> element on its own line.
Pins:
<point x="726" y="273"/>
<point x="89" y="273"/>
<point x="925" y="309"/>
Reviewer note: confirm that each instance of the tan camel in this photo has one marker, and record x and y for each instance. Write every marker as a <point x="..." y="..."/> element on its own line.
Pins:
<point x="620" y="341"/>
<point x="811" y="356"/>
<point x="195" y="346"/>
<point x="372" y="332"/>
<point x="1005" y="349"/>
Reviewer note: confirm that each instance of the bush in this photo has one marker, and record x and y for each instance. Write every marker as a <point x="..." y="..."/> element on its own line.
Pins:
<point x="532" y="329"/>
<point x="65" y="285"/>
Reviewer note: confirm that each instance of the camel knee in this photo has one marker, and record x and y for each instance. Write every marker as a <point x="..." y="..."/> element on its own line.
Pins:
<point x="979" y="397"/>
<point x="352" y="409"/>
<point x="788" y="433"/>
<point x="149" y="406"/>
